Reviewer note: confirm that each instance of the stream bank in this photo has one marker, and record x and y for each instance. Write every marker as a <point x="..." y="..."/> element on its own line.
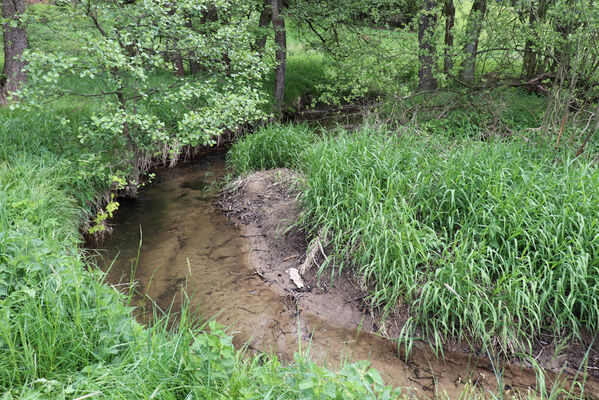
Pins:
<point x="234" y="270"/>
<point x="265" y="205"/>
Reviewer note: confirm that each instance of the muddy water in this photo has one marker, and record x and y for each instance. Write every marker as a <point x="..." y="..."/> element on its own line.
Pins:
<point x="186" y="242"/>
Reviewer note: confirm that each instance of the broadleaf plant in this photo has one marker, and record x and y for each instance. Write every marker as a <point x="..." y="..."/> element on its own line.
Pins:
<point x="146" y="103"/>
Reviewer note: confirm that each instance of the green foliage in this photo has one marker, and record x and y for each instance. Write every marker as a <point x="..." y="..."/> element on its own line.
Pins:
<point x="42" y="278"/>
<point x="91" y="166"/>
<point x="101" y="217"/>
<point x="274" y="146"/>
<point x="477" y="116"/>
<point x="115" y="58"/>
<point x="490" y="242"/>
<point x="305" y="71"/>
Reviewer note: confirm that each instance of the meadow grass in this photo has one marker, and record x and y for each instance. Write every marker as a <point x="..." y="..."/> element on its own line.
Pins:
<point x="487" y="242"/>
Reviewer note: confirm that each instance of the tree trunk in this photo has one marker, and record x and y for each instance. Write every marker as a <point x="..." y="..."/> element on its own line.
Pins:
<point x="265" y="18"/>
<point x="426" y="29"/>
<point x="473" y="28"/>
<point x="177" y="60"/>
<point x="15" y="42"/>
<point x="194" y="65"/>
<point x="529" y="59"/>
<point x="278" y="22"/>
<point x="449" y="11"/>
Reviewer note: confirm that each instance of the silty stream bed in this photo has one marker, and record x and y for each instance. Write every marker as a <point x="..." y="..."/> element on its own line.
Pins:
<point x="189" y="243"/>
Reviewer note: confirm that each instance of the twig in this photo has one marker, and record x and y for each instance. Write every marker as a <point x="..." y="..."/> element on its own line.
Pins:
<point x="87" y="396"/>
<point x="311" y="258"/>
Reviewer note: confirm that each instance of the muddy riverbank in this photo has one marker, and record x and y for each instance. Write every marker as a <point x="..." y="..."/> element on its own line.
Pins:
<point x="235" y="269"/>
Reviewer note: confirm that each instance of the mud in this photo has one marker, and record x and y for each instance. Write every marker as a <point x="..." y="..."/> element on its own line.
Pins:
<point x="235" y="270"/>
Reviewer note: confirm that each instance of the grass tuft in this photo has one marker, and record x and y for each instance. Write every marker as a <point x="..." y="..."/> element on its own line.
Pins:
<point x="274" y="146"/>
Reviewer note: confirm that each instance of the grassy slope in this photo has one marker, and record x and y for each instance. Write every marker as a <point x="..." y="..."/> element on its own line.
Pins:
<point x="489" y="242"/>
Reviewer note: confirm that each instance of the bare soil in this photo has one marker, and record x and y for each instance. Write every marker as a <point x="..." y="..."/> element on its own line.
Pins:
<point x="265" y="206"/>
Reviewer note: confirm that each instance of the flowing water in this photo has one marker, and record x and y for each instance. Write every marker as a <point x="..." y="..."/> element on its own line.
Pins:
<point x="187" y="243"/>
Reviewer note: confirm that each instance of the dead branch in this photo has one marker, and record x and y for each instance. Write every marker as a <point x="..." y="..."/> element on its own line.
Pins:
<point x="314" y="247"/>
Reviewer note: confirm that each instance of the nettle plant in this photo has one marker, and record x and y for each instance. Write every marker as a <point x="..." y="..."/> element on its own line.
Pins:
<point x="128" y="59"/>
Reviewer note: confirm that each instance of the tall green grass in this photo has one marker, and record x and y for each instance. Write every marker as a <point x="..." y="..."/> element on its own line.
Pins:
<point x="65" y="334"/>
<point x="487" y="242"/>
<point x="271" y="147"/>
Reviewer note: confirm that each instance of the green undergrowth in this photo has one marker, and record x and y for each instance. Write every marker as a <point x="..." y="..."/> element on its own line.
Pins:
<point x="490" y="242"/>
<point x="65" y="334"/>
<point x="373" y="64"/>
<point x="500" y="112"/>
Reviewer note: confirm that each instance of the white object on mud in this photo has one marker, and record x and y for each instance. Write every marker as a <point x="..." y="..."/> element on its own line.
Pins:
<point x="295" y="277"/>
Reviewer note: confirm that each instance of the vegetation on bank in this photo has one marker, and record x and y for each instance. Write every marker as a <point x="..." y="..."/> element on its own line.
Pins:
<point x="490" y="242"/>
<point x="65" y="334"/>
<point x="470" y="251"/>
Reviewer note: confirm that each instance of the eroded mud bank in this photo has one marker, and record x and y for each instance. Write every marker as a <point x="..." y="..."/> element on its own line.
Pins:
<point x="235" y="270"/>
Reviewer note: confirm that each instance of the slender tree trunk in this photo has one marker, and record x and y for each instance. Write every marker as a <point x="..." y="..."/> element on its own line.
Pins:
<point x="194" y="66"/>
<point x="278" y="22"/>
<point x="473" y="28"/>
<point x="265" y="18"/>
<point x="449" y="11"/>
<point x="426" y="29"/>
<point x="175" y="54"/>
<point x="177" y="60"/>
<point x="15" y="42"/>
<point x="529" y="59"/>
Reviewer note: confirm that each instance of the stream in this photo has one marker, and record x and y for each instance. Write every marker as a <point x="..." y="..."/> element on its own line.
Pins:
<point x="188" y="243"/>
